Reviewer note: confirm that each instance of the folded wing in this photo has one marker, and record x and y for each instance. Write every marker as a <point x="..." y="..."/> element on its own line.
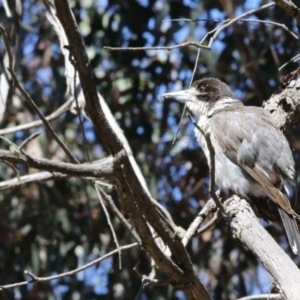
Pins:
<point x="249" y="138"/>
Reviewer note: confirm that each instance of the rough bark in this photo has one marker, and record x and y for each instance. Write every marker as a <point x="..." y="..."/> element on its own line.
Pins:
<point x="139" y="204"/>
<point x="247" y="229"/>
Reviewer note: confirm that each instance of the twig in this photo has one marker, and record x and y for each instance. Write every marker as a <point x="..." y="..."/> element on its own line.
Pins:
<point x="294" y="59"/>
<point x="69" y="273"/>
<point x="216" y="218"/>
<point x="194" y="189"/>
<point x="109" y="223"/>
<point x="212" y="165"/>
<point x="250" y="12"/>
<point x="192" y="79"/>
<point x="284" y="27"/>
<point x="197" y="45"/>
<point x="32" y="178"/>
<point x="73" y="62"/>
<point x="29" y="99"/>
<point x="262" y="297"/>
<point x="120" y="216"/>
<point x="65" y="107"/>
<point x="212" y="171"/>
<point x="15" y="170"/>
<point x="147" y="280"/>
<point x="99" y="111"/>
<point x="206" y="210"/>
<point x="193" y="20"/>
<point x="136" y="270"/>
<point x="26" y="141"/>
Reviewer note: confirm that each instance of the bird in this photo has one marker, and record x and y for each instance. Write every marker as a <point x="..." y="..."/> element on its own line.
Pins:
<point x="252" y="156"/>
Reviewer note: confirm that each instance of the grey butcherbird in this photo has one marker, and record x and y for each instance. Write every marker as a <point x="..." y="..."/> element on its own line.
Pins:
<point x="252" y="156"/>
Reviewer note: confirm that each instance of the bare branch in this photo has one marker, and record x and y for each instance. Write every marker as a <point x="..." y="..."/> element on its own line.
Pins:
<point x="284" y="27"/>
<point x="29" y="139"/>
<point x="262" y="297"/>
<point x="138" y="203"/>
<point x="247" y="229"/>
<point x="225" y="24"/>
<point x="109" y="223"/>
<point x="209" y="207"/>
<point x="197" y="45"/>
<point x="69" y="273"/>
<point x="294" y="35"/>
<point x="99" y="169"/>
<point x="293" y="59"/>
<point x="14" y="169"/>
<point x="119" y="215"/>
<point x="32" y="178"/>
<point x="215" y="219"/>
<point x="152" y="281"/>
<point x="65" y="107"/>
<point x="30" y="101"/>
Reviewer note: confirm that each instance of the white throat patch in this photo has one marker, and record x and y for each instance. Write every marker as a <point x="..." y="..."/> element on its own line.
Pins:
<point x="204" y="108"/>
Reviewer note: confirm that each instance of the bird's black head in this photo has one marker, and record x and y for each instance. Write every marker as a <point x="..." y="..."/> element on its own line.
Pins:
<point x="205" y="96"/>
<point x="212" y="90"/>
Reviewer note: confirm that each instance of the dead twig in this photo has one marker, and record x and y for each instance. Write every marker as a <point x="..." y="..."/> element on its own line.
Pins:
<point x="209" y="207"/>
<point x="69" y="273"/>
<point x="262" y="297"/>
<point x="109" y="223"/>
<point x="197" y="45"/>
<point x="29" y="99"/>
<point x="65" y="107"/>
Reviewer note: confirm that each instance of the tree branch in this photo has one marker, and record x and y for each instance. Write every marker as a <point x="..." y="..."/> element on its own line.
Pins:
<point x="99" y="169"/>
<point x="65" y="274"/>
<point x="262" y="297"/>
<point x="285" y="105"/>
<point x="128" y="183"/>
<point x="65" y="107"/>
<point x="29" y="99"/>
<point x="247" y="229"/>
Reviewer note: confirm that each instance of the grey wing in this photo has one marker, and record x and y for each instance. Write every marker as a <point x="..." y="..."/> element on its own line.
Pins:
<point x="249" y="138"/>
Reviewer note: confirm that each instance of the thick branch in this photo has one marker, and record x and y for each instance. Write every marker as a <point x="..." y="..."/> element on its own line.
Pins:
<point x="128" y="182"/>
<point x="247" y="229"/>
<point x="285" y="106"/>
<point x="101" y="169"/>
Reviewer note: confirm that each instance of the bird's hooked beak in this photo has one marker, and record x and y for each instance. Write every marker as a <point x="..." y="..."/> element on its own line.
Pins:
<point x="184" y="96"/>
<point x="180" y="96"/>
<point x="192" y="98"/>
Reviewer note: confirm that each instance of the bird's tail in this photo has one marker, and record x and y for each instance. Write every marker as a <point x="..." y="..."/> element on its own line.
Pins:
<point x="291" y="229"/>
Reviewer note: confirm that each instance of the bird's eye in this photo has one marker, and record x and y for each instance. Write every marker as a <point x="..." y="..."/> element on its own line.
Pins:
<point x="201" y="88"/>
